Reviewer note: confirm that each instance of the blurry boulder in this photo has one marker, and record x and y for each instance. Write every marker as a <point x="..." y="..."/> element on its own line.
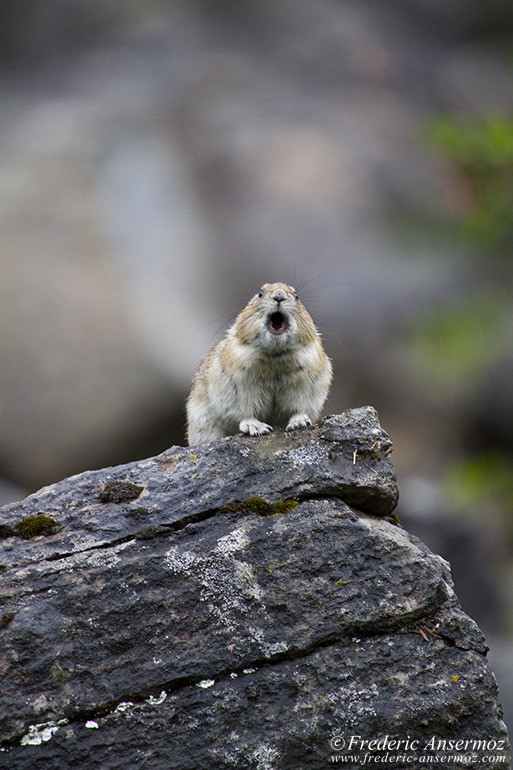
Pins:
<point x="101" y="304"/>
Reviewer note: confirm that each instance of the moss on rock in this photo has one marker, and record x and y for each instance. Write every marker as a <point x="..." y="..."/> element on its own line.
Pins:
<point x="40" y="524"/>
<point x="259" y="506"/>
<point x="120" y="492"/>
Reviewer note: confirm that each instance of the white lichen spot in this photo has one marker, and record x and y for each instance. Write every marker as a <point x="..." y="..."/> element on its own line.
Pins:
<point x="179" y="561"/>
<point x="233" y="541"/>
<point x="354" y="702"/>
<point x="305" y="455"/>
<point x="122" y="707"/>
<point x="38" y="734"/>
<point x="40" y="704"/>
<point x="157" y="701"/>
<point x="206" y="683"/>
<point x="269" y="649"/>
<point x="257" y="634"/>
<point x="246" y="579"/>
<point x="266" y="757"/>
<point x="277" y="647"/>
<point x="91" y="724"/>
<point x="249" y="670"/>
<point x="106" y="558"/>
<point x="227" y="585"/>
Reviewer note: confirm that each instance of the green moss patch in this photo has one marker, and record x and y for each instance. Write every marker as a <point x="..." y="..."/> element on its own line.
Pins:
<point x="6" y="531"/>
<point x="259" y="506"/>
<point x="40" y="524"/>
<point x="120" y="492"/>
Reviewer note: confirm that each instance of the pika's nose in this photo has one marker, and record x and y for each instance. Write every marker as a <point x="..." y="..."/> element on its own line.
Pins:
<point x="278" y="295"/>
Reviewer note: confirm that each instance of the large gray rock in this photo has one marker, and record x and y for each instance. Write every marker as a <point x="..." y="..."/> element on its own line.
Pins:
<point x="247" y="604"/>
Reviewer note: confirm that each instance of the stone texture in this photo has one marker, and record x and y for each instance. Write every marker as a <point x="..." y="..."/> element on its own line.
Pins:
<point x="169" y="620"/>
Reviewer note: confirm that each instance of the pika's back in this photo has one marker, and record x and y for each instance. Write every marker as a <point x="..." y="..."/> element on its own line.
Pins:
<point x="271" y="365"/>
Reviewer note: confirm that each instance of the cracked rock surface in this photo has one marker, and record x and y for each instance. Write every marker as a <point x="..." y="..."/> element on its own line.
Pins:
<point x="160" y="615"/>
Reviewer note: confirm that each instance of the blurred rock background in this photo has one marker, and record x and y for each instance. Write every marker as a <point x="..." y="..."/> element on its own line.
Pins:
<point x="161" y="159"/>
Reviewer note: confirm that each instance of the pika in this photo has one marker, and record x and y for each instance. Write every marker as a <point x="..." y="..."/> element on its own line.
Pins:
<point x="269" y="370"/>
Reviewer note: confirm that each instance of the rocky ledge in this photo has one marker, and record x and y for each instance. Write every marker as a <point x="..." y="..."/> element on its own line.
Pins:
<point x="253" y="603"/>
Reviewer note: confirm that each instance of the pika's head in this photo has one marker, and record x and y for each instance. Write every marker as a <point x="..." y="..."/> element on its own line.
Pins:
<point x="275" y="320"/>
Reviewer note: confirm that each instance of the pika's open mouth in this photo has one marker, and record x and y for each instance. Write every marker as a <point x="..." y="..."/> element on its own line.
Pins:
<point x="277" y="323"/>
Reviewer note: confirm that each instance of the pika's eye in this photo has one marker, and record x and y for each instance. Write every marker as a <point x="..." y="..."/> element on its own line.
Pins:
<point x="261" y="293"/>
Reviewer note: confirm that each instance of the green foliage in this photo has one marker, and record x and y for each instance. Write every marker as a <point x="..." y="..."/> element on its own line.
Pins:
<point x="454" y="346"/>
<point x="482" y="154"/>
<point x="483" y="480"/>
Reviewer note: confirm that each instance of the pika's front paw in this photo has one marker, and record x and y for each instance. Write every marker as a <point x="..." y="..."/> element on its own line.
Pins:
<point x="298" y="421"/>
<point x="254" y="427"/>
